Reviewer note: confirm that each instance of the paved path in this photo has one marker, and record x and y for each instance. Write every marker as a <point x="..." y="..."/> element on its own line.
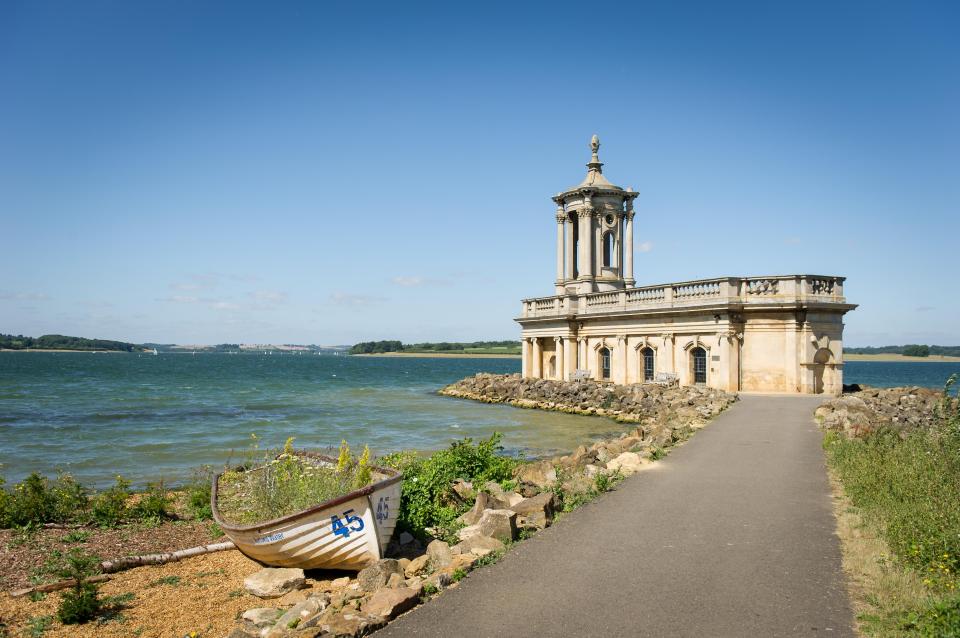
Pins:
<point x="731" y="535"/>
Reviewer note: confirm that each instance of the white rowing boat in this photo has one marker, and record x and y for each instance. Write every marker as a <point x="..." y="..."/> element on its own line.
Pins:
<point x="348" y="532"/>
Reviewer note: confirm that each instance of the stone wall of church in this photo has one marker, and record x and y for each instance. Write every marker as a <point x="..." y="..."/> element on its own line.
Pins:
<point x="768" y="352"/>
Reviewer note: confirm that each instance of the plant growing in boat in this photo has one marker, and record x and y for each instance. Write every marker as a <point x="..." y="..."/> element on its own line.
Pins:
<point x="289" y="482"/>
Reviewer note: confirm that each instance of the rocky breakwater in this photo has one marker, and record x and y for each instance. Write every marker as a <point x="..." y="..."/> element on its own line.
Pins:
<point x="647" y="404"/>
<point x="869" y="409"/>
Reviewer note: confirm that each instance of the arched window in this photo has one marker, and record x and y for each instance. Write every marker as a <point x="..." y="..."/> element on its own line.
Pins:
<point x="698" y="358"/>
<point x="604" y="363"/>
<point x="608" y="250"/>
<point x="646" y="358"/>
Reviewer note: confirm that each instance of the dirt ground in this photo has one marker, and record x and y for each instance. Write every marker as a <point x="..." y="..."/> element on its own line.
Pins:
<point x="203" y="595"/>
<point x="22" y="555"/>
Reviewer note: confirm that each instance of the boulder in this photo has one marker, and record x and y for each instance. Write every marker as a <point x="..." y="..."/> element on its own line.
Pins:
<point x="298" y="613"/>
<point x="273" y="582"/>
<point x="378" y="575"/>
<point x="541" y="474"/>
<point x="506" y="499"/>
<point x="537" y="511"/>
<point x="417" y="565"/>
<point x="388" y="603"/>
<point x="406" y="538"/>
<point x="478" y="545"/>
<point x="340" y="583"/>
<point x="439" y="554"/>
<point x="464" y="490"/>
<point x="350" y="625"/>
<point x="499" y="524"/>
<point x="482" y="503"/>
<point x="627" y="463"/>
<point x="262" y="616"/>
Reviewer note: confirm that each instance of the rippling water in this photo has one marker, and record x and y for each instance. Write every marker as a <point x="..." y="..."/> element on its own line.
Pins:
<point x="148" y="417"/>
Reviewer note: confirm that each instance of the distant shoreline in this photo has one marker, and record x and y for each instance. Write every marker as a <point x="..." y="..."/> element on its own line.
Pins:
<point x="440" y="355"/>
<point x="934" y="358"/>
<point x="63" y="350"/>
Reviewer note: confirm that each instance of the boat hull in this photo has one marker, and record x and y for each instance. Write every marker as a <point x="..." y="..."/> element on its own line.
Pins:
<point x="349" y="533"/>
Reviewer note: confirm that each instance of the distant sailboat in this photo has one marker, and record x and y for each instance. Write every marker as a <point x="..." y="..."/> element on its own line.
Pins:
<point x="155" y="353"/>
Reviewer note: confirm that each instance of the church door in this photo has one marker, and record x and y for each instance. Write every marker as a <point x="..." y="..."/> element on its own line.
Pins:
<point x="604" y="363"/>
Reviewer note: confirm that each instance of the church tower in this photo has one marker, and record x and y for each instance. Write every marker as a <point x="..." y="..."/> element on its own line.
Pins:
<point x="594" y="233"/>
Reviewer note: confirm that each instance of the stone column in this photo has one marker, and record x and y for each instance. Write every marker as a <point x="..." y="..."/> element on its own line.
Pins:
<point x="560" y="223"/>
<point x="537" y="359"/>
<point x="586" y="243"/>
<point x="669" y="357"/>
<point x="624" y="359"/>
<point x="559" y="348"/>
<point x="628" y="248"/>
<point x="582" y="354"/>
<point x="569" y="357"/>
<point x="525" y="358"/>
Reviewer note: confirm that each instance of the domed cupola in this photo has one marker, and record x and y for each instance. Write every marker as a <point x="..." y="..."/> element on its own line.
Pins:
<point x="594" y="233"/>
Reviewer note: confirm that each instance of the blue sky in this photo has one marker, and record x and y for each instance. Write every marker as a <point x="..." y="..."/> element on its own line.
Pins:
<point x="335" y="172"/>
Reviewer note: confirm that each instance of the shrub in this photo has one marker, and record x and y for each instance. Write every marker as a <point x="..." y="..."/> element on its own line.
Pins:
<point x="154" y="504"/>
<point x="110" y="507"/>
<point x="427" y="499"/>
<point x="198" y="493"/>
<point x="81" y="602"/>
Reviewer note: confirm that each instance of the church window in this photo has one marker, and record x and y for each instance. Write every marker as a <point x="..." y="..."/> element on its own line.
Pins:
<point x="604" y="363"/>
<point x="699" y="357"/>
<point x="647" y="359"/>
<point x="608" y="250"/>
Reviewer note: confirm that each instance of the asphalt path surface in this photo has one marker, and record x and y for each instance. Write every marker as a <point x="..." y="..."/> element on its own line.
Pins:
<point x="731" y="535"/>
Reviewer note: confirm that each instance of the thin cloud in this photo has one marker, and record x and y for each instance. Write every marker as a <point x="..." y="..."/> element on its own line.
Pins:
<point x="645" y="247"/>
<point x="268" y="296"/>
<point x="925" y="308"/>
<point x="414" y="281"/>
<point x="24" y="296"/>
<point x="346" y="299"/>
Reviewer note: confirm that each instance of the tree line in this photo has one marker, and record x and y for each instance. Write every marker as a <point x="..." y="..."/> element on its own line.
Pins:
<point x="909" y="350"/>
<point x="62" y="342"/>
<point x="378" y="347"/>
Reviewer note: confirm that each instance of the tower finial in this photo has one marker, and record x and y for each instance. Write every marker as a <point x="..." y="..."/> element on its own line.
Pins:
<point x="595" y="165"/>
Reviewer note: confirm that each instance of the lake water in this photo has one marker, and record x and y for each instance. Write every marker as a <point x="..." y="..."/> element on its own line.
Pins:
<point x="146" y="417"/>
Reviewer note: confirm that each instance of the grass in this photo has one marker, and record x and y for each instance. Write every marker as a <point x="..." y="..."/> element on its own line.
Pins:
<point x="901" y="526"/>
<point x="288" y="484"/>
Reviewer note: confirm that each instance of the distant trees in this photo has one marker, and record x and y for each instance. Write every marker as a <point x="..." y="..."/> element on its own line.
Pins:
<point x="376" y="347"/>
<point x="909" y="350"/>
<point x="62" y="342"/>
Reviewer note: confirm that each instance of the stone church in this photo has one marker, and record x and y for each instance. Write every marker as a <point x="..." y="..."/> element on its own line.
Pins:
<point x="777" y="333"/>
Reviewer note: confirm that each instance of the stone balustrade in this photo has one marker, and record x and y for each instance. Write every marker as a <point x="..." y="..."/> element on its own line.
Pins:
<point x="708" y="292"/>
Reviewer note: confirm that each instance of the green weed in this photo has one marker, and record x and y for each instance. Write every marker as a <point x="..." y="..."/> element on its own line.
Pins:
<point x="427" y="500"/>
<point x="76" y="536"/>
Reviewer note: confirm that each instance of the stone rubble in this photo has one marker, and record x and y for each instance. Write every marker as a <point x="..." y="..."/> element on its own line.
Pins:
<point x="351" y="607"/>
<point x="868" y="409"/>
